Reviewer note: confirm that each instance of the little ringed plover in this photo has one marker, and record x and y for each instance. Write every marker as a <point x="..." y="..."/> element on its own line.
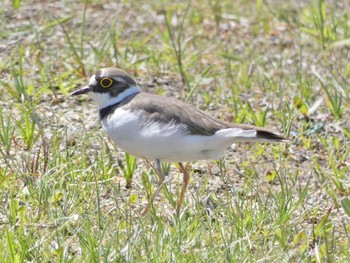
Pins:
<point x="163" y="129"/>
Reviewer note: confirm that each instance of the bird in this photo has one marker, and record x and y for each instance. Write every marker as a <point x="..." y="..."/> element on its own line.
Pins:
<point x="163" y="129"/>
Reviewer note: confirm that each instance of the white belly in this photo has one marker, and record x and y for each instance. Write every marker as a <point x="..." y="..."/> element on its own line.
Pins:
<point x="166" y="142"/>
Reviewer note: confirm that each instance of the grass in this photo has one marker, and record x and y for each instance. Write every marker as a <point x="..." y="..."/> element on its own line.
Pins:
<point x="68" y="194"/>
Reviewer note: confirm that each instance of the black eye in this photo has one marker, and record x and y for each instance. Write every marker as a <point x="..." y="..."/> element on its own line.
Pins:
<point x="106" y="82"/>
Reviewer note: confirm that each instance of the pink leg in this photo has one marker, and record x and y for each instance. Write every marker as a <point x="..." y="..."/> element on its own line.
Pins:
<point x="186" y="179"/>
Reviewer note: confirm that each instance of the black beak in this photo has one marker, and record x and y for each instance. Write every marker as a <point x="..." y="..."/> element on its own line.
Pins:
<point x="83" y="90"/>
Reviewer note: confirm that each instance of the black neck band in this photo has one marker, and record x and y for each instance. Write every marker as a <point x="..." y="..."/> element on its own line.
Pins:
<point x="108" y="110"/>
<point x="111" y="108"/>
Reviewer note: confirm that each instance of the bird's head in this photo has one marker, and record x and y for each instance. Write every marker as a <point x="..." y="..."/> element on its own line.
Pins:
<point x="109" y="86"/>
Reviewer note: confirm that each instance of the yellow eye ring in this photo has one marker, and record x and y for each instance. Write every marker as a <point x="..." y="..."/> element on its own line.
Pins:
<point x="106" y="82"/>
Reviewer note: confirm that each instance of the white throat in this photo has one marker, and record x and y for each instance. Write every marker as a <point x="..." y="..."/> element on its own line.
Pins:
<point x="104" y="99"/>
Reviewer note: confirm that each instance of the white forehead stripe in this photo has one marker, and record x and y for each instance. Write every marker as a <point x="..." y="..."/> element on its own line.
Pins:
<point x="93" y="81"/>
<point x="103" y="74"/>
<point x="120" y="80"/>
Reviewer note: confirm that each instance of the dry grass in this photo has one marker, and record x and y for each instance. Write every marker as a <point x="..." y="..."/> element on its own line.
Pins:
<point x="270" y="63"/>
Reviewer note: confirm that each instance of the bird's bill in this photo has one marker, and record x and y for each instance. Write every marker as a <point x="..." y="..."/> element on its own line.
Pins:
<point x="83" y="90"/>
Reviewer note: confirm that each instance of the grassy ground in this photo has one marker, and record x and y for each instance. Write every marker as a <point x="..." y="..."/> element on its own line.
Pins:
<point x="280" y="64"/>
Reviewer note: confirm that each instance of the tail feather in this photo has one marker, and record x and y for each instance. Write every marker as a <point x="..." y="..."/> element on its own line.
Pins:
<point x="269" y="136"/>
<point x="251" y="134"/>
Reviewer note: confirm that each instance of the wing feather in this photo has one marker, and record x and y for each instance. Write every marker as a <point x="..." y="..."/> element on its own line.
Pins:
<point x="166" y="109"/>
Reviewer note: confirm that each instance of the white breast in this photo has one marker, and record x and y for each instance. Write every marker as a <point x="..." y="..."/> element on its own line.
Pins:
<point x="166" y="142"/>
